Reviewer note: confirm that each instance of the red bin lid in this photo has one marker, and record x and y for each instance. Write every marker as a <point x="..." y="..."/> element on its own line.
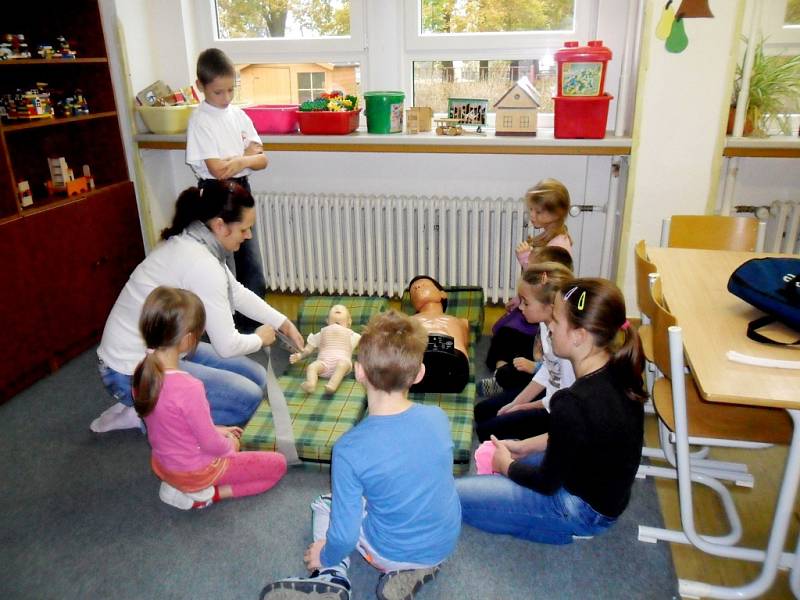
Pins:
<point x="594" y="51"/>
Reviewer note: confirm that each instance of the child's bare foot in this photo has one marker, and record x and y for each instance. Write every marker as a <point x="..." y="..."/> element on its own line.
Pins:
<point x="308" y="387"/>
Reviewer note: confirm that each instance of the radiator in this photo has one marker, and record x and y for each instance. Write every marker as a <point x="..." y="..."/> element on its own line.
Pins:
<point x="373" y="245"/>
<point x="783" y="228"/>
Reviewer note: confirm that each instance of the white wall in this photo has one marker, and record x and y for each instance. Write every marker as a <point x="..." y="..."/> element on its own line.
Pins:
<point x="681" y="112"/>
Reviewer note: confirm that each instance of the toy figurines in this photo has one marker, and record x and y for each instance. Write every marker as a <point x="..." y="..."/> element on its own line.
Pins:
<point x="335" y="343"/>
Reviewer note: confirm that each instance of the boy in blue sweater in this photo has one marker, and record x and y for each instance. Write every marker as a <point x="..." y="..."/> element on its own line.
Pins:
<point x="393" y="497"/>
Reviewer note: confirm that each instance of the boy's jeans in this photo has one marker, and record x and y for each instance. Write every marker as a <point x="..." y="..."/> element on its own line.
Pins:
<point x="234" y="386"/>
<point x="496" y="504"/>
<point x="321" y="518"/>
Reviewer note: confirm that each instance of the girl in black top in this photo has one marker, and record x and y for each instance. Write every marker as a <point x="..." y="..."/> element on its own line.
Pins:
<point x="577" y="482"/>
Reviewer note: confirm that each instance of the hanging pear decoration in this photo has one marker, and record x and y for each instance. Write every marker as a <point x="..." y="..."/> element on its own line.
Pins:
<point x="664" y="26"/>
<point x="677" y="40"/>
<point x="694" y="9"/>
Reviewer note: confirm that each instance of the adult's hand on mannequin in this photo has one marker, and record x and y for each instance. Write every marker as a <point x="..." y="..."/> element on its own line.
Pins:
<point x="288" y="329"/>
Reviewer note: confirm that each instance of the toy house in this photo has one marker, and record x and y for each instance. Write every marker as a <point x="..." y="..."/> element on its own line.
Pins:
<point x="419" y="119"/>
<point x="518" y="109"/>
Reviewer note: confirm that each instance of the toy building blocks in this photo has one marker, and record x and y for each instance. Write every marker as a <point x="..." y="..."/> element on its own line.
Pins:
<point x="25" y="195"/>
<point x="448" y="127"/>
<point x="14" y="46"/>
<point x="87" y="173"/>
<point x="418" y="119"/>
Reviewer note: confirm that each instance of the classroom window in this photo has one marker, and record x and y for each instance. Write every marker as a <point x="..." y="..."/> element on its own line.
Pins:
<point x="289" y="19"/>
<point x="495" y="16"/>
<point x="792" y="17"/>
<point x="293" y="83"/>
<point x="436" y="81"/>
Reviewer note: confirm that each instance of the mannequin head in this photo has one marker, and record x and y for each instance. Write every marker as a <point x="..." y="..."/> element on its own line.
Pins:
<point x="425" y="290"/>
<point x="340" y="315"/>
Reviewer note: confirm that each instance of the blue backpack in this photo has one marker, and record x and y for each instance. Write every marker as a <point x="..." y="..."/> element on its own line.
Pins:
<point x="772" y="285"/>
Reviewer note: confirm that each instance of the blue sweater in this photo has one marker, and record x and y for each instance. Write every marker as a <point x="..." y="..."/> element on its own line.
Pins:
<point x="402" y="465"/>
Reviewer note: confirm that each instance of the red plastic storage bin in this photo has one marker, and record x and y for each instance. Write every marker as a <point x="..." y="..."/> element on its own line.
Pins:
<point x="581" y="117"/>
<point x="273" y="118"/>
<point x="321" y="122"/>
<point x="582" y="69"/>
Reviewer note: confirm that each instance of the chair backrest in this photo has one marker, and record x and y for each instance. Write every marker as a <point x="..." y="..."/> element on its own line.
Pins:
<point x="662" y="320"/>
<point x="713" y="232"/>
<point x="643" y="269"/>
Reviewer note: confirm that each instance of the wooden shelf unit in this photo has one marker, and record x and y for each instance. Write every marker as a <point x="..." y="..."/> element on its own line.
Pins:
<point x="63" y="260"/>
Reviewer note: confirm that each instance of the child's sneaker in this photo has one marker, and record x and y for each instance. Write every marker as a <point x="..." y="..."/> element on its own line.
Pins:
<point x="321" y="585"/>
<point x="488" y="387"/>
<point x="402" y="585"/>
<point x="185" y="500"/>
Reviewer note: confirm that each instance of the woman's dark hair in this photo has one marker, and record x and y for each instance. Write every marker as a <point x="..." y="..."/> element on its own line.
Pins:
<point x="217" y="198"/>
<point x="168" y="314"/>
<point x="598" y="306"/>
<point x="213" y="63"/>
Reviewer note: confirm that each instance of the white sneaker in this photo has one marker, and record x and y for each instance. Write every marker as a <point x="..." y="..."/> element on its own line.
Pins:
<point x="119" y="416"/>
<point x="184" y="500"/>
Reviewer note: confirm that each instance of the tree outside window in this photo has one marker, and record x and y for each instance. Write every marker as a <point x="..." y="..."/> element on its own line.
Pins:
<point x="484" y="16"/>
<point x="289" y="19"/>
<point x="792" y="12"/>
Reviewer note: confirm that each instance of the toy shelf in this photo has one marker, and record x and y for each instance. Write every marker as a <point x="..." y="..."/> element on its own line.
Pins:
<point x="52" y="61"/>
<point x="56" y="200"/>
<point x="8" y="128"/>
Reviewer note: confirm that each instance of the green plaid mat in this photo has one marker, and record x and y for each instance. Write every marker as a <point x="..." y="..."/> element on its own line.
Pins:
<point x="318" y="419"/>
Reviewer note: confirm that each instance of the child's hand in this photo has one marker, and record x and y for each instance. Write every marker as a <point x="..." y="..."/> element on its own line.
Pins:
<point x="512" y="304"/>
<point x="502" y="456"/>
<point x="235" y="432"/>
<point x="311" y="556"/>
<point x="523" y="246"/>
<point x="230" y="167"/>
<point x="293" y="358"/>
<point x="506" y="409"/>
<point x="516" y="448"/>
<point x="524" y="365"/>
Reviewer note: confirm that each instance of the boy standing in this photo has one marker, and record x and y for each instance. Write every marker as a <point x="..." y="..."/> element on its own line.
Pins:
<point x="394" y="497"/>
<point x="221" y="143"/>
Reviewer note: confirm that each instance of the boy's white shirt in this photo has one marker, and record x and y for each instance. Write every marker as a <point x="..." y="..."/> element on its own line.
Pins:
<point x="218" y="133"/>
<point x="555" y="373"/>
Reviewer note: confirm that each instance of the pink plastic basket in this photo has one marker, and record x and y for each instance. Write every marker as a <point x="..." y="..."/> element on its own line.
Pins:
<point x="273" y="118"/>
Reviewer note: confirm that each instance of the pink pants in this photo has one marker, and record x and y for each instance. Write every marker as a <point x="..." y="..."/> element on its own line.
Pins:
<point x="251" y="473"/>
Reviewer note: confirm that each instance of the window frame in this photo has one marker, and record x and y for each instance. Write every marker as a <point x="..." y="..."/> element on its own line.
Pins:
<point x="266" y="50"/>
<point x="781" y="38"/>
<point x="490" y="46"/>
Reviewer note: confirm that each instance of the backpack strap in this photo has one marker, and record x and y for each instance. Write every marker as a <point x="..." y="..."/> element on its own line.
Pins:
<point x="755" y="325"/>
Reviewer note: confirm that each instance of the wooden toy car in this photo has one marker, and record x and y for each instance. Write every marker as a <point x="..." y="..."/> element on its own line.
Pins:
<point x="448" y="127"/>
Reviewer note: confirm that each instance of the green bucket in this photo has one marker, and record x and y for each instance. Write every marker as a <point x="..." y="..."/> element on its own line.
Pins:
<point x="384" y="111"/>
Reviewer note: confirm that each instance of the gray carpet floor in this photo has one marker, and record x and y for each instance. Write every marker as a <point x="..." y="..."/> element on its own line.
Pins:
<point x="80" y="518"/>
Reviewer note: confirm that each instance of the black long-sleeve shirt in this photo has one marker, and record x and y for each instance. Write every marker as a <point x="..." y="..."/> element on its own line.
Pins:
<point x="595" y="445"/>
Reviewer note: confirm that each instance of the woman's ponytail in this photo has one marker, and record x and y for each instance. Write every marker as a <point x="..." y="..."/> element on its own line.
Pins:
<point x="217" y="198"/>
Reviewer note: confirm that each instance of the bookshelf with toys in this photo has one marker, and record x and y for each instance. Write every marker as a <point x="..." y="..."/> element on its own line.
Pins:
<point x="69" y="222"/>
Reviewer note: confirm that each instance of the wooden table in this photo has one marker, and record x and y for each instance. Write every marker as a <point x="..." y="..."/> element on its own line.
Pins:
<point x="713" y="321"/>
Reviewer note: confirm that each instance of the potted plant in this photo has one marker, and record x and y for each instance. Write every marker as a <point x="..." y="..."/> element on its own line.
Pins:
<point x="774" y="91"/>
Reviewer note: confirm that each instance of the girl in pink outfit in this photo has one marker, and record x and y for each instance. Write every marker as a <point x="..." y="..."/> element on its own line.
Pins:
<point x="548" y="205"/>
<point x="198" y="462"/>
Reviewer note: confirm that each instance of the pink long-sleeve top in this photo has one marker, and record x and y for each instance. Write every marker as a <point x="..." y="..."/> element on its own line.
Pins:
<point x="181" y="433"/>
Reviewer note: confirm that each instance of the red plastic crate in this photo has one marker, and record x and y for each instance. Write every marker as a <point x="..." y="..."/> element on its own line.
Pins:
<point x="273" y="118"/>
<point x="328" y="123"/>
<point x="581" y="116"/>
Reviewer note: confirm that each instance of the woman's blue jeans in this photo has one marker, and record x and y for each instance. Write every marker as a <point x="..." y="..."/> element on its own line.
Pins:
<point x="496" y="504"/>
<point x="234" y="386"/>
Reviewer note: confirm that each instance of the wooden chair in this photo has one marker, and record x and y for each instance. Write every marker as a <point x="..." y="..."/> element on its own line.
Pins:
<point x="683" y="412"/>
<point x="644" y="298"/>
<point x="713" y="232"/>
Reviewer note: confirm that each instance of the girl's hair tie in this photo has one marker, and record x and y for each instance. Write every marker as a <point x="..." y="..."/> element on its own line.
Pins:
<point x="625" y="325"/>
<point x="569" y="292"/>
<point x="150" y="350"/>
